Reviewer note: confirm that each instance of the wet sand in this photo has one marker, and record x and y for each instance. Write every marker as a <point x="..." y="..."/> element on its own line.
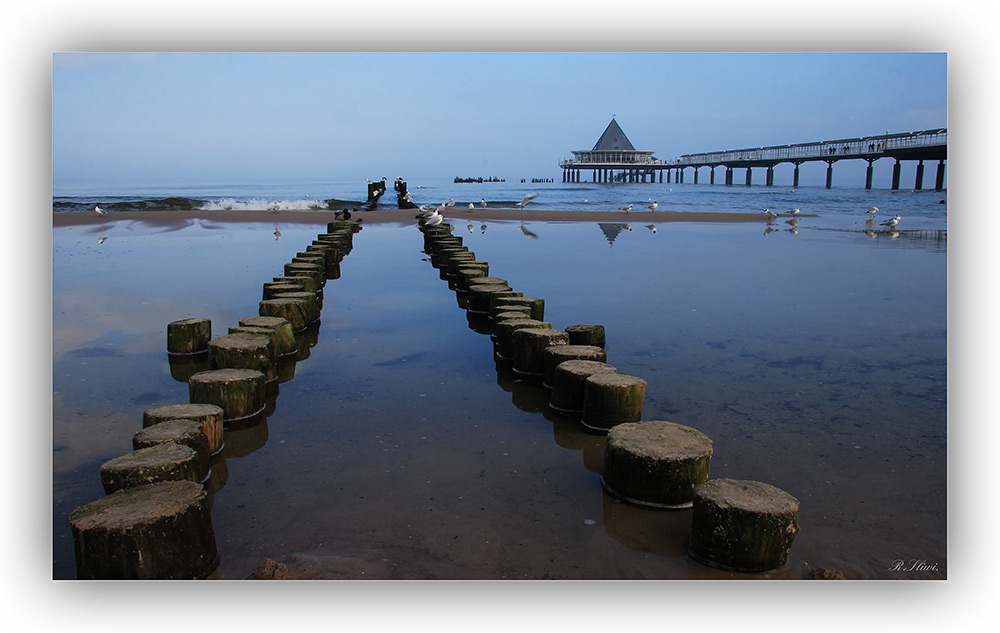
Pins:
<point x="398" y="216"/>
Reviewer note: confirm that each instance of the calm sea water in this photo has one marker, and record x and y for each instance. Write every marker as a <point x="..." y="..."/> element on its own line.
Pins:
<point x="837" y="207"/>
<point x="814" y="359"/>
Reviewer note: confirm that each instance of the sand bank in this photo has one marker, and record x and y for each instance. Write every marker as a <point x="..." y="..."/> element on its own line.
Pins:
<point x="398" y="216"/>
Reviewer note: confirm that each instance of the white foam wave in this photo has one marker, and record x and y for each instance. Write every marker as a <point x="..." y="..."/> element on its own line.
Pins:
<point x="263" y="204"/>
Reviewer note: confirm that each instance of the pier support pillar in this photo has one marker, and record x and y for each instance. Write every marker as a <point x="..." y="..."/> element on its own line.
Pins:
<point x="829" y="174"/>
<point x="661" y="176"/>
<point x="769" y="179"/>
<point x="711" y="176"/>
<point x="749" y="175"/>
<point x="696" y="175"/>
<point x="680" y="175"/>
<point x="919" y="182"/>
<point x="868" y="174"/>
<point x="795" y="176"/>
<point x="895" y="176"/>
<point x="729" y="175"/>
<point x="939" y="179"/>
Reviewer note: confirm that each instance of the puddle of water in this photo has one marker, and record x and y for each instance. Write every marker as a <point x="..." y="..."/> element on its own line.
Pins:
<point x="815" y="362"/>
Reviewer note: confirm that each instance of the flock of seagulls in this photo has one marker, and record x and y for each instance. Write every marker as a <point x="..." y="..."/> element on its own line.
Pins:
<point x="890" y="224"/>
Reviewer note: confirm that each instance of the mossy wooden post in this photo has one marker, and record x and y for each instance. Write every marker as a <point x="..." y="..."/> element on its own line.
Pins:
<point x="244" y="351"/>
<point x="314" y="305"/>
<point x="479" y="293"/>
<point x="163" y="462"/>
<point x="309" y="284"/>
<point x="160" y="531"/>
<point x="513" y="312"/>
<point x="586" y="335"/>
<point x="274" y="288"/>
<point x="740" y="525"/>
<point x="186" y="432"/>
<point x="189" y="336"/>
<point x="292" y="309"/>
<point x="468" y="273"/>
<point x="315" y="271"/>
<point x="240" y="392"/>
<point x="529" y="345"/>
<point x="569" y="381"/>
<point x="610" y="399"/>
<point x="311" y="258"/>
<point x="209" y="416"/>
<point x="557" y="354"/>
<point x="284" y="336"/>
<point x="656" y="464"/>
<point x="537" y="305"/>
<point x="504" y="330"/>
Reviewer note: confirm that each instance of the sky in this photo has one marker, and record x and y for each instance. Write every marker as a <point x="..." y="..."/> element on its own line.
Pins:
<point x="224" y="118"/>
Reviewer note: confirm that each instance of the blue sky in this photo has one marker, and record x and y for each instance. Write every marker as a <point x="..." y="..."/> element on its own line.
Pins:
<point x="210" y="118"/>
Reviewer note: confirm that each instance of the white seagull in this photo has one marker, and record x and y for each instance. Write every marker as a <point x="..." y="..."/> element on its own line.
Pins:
<point x="99" y="210"/>
<point x="770" y="214"/>
<point x="626" y="209"/>
<point x="795" y="211"/>
<point x="528" y="198"/>
<point x="872" y="212"/>
<point x="434" y="219"/>
<point x="471" y="206"/>
<point x="652" y="207"/>
<point x="892" y="222"/>
<point x="482" y="203"/>
<point x="451" y="202"/>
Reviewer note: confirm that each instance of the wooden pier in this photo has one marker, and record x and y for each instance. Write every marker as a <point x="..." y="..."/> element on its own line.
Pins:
<point x="613" y="159"/>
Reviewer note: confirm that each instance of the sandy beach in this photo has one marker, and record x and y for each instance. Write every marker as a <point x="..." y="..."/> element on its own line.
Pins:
<point x="399" y="216"/>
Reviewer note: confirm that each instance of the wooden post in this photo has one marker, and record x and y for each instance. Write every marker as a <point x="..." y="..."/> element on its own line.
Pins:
<point x="569" y="384"/>
<point x="188" y="336"/>
<point x="529" y="345"/>
<point x="209" y="416"/>
<point x="157" y="532"/>
<point x="557" y="354"/>
<point x="745" y="526"/>
<point x="611" y="399"/>
<point x="186" y="432"/>
<point x="162" y="462"/>
<point x="240" y="392"/>
<point x="656" y="464"/>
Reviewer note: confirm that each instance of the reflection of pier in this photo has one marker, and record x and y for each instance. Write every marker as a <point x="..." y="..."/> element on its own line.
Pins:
<point x="614" y="159"/>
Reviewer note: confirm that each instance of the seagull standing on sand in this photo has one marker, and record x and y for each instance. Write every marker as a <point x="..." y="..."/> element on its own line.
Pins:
<point x="892" y="222"/>
<point x="652" y="207"/>
<point x="871" y="212"/>
<point x="795" y="211"/>
<point x="482" y="203"/>
<point x="528" y="198"/>
<point x="626" y="209"/>
<point x="770" y="214"/>
<point x="471" y="206"/>
<point x="451" y="202"/>
<point x="99" y="210"/>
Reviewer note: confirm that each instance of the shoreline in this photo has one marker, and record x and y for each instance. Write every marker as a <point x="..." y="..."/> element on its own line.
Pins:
<point x="398" y="216"/>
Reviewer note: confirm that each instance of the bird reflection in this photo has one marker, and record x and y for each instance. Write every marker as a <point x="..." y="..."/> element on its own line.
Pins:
<point x="651" y="227"/>
<point x="528" y="233"/>
<point x="793" y="231"/>
<point x="482" y="229"/>
<point x="792" y="222"/>
<point x="471" y="228"/>
<point x="769" y="230"/>
<point x="277" y="234"/>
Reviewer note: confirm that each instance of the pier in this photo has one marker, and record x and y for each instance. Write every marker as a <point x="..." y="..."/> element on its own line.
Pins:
<point x="614" y="159"/>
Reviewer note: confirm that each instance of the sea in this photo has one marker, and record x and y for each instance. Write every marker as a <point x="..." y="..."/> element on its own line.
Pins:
<point x="813" y="354"/>
<point x="838" y="207"/>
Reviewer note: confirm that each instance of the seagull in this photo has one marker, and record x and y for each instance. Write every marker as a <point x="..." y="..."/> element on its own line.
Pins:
<point x="892" y="222"/>
<point x="872" y="211"/>
<point x="99" y="210"/>
<point x="652" y="207"/>
<point x="434" y="219"/>
<point x="525" y="230"/>
<point x="795" y="211"/>
<point x="770" y="214"/>
<point x="651" y="227"/>
<point x="482" y="203"/>
<point x="275" y="207"/>
<point x="471" y="206"/>
<point x="527" y="199"/>
<point x="101" y="240"/>
<point x="626" y="209"/>
<point x="451" y="202"/>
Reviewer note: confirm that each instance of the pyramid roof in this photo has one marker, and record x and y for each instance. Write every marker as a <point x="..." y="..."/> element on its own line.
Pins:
<point x="613" y="139"/>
